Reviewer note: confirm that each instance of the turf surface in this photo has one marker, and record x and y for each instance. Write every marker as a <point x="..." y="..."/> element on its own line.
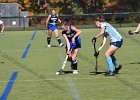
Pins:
<point x="36" y="79"/>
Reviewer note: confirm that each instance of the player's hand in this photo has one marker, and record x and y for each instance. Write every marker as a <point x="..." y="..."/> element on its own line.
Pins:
<point x="73" y="40"/>
<point x="68" y="52"/>
<point x="96" y="54"/>
<point x="94" y="40"/>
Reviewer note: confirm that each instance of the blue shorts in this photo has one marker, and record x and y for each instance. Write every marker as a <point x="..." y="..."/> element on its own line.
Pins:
<point x="117" y="43"/>
<point x="52" y="27"/>
<point x="76" y="44"/>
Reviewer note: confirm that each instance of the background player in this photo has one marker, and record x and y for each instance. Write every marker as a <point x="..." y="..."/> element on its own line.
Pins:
<point x="2" y="27"/>
<point x="115" y="43"/>
<point x="73" y="41"/>
<point x="137" y="29"/>
<point x="51" y="22"/>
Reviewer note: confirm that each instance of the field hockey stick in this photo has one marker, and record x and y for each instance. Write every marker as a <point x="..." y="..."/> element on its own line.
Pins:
<point x="63" y="65"/>
<point x="96" y="66"/>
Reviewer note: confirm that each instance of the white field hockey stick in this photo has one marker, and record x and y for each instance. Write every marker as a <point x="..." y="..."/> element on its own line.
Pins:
<point x="63" y="65"/>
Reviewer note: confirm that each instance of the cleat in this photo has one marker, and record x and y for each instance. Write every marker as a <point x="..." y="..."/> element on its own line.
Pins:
<point x="110" y="73"/>
<point x="49" y="46"/>
<point x="61" y="44"/>
<point x="136" y="32"/>
<point x="75" y="71"/>
<point x="2" y="33"/>
<point x="117" y="69"/>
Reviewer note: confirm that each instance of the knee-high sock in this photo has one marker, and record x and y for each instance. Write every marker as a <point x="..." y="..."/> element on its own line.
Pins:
<point x="74" y="63"/>
<point x="110" y="63"/>
<point x="48" y="40"/>
<point x="58" y="39"/>
<point x="115" y="62"/>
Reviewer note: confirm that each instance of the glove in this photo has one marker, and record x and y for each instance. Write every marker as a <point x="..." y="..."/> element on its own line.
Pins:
<point x="96" y="54"/>
<point x="68" y="52"/>
<point x="94" y="40"/>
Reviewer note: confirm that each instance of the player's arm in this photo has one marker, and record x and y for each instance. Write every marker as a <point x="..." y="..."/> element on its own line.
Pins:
<point x="47" y="21"/>
<point x="96" y="54"/>
<point x="103" y="43"/>
<point x="59" y="20"/>
<point x="67" y="43"/>
<point x="78" y="32"/>
<point x="99" y="34"/>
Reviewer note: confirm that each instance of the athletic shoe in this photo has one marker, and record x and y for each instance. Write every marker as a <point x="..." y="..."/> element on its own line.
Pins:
<point x="2" y="33"/>
<point x="110" y="73"/>
<point x="136" y="32"/>
<point x="117" y="69"/>
<point x="61" y="44"/>
<point x="75" y="71"/>
<point x="49" y="46"/>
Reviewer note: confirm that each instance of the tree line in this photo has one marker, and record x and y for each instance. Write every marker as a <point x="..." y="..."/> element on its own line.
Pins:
<point x="76" y="7"/>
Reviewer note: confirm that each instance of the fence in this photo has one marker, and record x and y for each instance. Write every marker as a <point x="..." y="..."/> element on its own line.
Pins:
<point x="125" y="19"/>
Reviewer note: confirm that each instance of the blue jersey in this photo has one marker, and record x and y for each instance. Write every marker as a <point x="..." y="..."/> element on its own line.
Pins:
<point x="111" y="32"/>
<point x="53" y="19"/>
<point x="70" y="34"/>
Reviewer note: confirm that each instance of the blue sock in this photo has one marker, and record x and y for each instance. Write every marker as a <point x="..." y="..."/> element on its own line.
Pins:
<point x="115" y="62"/>
<point x="110" y="63"/>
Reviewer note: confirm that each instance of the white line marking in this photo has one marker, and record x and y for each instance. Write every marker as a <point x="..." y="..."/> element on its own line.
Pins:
<point x="73" y="88"/>
<point x="70" y="83"/>
<point x="129" y="46"/>
<point x="59" y="79"/>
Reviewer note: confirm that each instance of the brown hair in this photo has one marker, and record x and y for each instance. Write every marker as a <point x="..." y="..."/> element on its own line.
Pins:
<point x="100" y="18"/>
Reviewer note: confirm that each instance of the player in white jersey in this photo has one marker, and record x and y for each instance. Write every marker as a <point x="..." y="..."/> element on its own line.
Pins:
<point x="115" y="43"/>
<point x="2" y="27"/>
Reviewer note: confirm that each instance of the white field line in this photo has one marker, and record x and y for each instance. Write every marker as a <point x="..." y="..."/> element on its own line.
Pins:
<point x="73" y="88"/>
<point x="60" y="79"/>
<point x="12" y="50"/>
<point x="70" y="83"/>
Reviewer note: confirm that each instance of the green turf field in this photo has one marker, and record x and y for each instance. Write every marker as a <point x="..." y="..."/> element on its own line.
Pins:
<point x="36" y="79"/>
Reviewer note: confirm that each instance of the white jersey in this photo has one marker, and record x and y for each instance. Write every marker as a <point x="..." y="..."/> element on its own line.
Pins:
<point x="111" y="31"/>
<point x="1" y="22"/>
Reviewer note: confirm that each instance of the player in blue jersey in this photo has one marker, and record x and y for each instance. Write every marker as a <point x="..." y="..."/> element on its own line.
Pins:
<point x="51" y="22"/>
<point x="2" y="27"/>
<point x="115" y="43"/>
<point x="73" y="41"/>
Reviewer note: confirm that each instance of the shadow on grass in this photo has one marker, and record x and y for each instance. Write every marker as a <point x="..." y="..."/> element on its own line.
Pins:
<point x="135" y="63"/>
<point x="132" y="63"/>
<point x="96" y="73"/>
<point x="52" y="46"/>
<point x="2" y="62"/>
<point x="66" y="72"/>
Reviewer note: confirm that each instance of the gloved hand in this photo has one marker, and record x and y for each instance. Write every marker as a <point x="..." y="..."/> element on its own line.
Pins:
<point x="94" y="40"/>
<point x="68" y="52"/>
<point x="96" y="54"/>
